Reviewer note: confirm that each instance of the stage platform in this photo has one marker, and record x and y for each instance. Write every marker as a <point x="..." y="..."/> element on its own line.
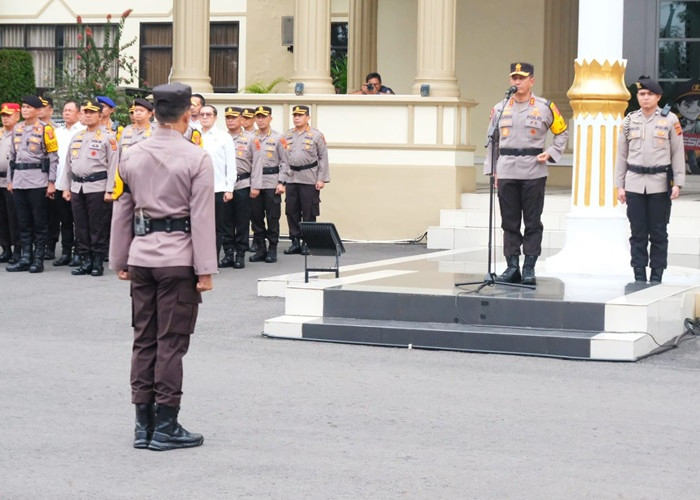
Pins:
<point x="414" y="302"/>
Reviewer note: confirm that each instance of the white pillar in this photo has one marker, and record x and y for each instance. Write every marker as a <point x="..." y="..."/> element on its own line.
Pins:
<point x="436" y="48"/>
<point x="191" y="44"/>
<point x="362" y="41"/>
<point x="597" y="230"/>
<point x="312" y="46"/>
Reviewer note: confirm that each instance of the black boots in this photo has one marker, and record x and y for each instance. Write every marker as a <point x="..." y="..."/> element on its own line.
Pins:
<point x="260" y="253"/>
<point x="6" y="254"/>
<point x="295" y="247"/>
<point x="75" y="260"/>
<point x="98" y="264"/>
<point x="24" y="262"/>
<point x="64" y="259"/>
<point x="50" y="251"/>
<point x="529" y="270"/>
<point x="239" y="261"/>
<point x="271" y="256"/>
<point x="656" y="274"/>
<point x="227" y="261"/>
<point x="85" y="265"/>
<point x="168" y="434"/>
<point x="15" y="255"/>
<point x="640" y="274"/>
<point x="145" y="423"/>
<point x="512" y="272"/>
<point x="38" y="261"/>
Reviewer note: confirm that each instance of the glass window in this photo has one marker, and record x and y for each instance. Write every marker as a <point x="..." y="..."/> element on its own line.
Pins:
<point x="679" y="41"/>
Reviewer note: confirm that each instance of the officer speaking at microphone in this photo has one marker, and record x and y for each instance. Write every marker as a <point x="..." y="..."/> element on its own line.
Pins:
<point x="164" y="241"/>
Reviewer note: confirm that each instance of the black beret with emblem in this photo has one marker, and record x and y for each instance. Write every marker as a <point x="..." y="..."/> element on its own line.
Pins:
<point x="263" y="110"/>
<point x="91" y="105"/>
<point x="248" y="113"/>
<point x="644" y="82"/>
<point x="172" y="95"/>
<point x="33" y="101"/>
<point x="300" y="110"/>
<point x="144" y="103"/>
<point x="688" y="90"/>
<point x="522" y="69"/>
<point x="232" y="111"/>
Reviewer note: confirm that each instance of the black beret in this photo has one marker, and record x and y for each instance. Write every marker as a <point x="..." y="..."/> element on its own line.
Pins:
<point x="144" y="103"/>
<point x="232" y="111"/>
<point x="263" y="110"/>
<point x="522" y="69"/>
<point x="32" y="101"/>
<point x="300" y="110"/>
<point x="644" y="82"/>
<point x="688" y="90"/>
<point x="172" y="95"/>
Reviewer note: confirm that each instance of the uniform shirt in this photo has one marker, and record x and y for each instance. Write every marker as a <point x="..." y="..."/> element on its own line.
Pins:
<point x="5" y="142"/>
<point x="167" y="177"/>
<point x="64" y="136"/>
<point x="649" y="142"/>
<point x="525" y="125"/>
<point x="31" y="144"/>
<point x="133" y="135"/>
<point x="271" y="151"/>
<point x="91" y="153"/>
<point x="303" y="149"/>
<point x="220" y="147"/>
<point x="245" y="147"/>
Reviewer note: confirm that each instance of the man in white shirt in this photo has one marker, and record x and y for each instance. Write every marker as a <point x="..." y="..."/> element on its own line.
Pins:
<point x="219" y="144"/>
<point x="64" y="225"/>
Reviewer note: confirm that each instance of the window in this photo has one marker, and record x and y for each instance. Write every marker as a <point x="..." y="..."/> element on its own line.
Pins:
<point x="339" y="40"/>
<point x="156" y="54"/>
<point x="679" y="41"/>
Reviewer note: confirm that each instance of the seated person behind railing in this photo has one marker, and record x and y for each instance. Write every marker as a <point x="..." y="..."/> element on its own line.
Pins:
<point x="373" y="85"/>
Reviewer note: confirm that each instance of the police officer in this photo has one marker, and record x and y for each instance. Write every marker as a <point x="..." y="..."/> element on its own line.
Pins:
<point x="308" y="173"/>
<point x="248" y="119"/>
<point x="164" y="242"/>
<point x="271" y="157"/>
<point x="54" y="205"/>
<point x="8" y="217"/>
<point x="142" y="128"/>
<point x="649" y="154"/>
<point x="33" y="165"/>
<point x="108" y="108"/>
<point x="89" y="171"/>
<point x="521" y="169"/>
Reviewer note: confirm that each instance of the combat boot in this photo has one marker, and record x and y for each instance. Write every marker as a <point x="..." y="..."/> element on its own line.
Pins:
<point x="64" y="259"/>
<point x="85" y="265"/>
<point x="512" y="272"/>
<point x="98" y="266"/>
<point x="168" y="434"/>
<point x="295" y="247"/>
<point x="529" y="270"/>
<point x="271" y="256"/>
<point x="656" y="275"/>
<point x="145" y="424"/>
<point x="227" y="261"/>
<point x="239" y="261"/>
<point x="260" y="253"/>
<point x="6" y="254"/>
<point x="16" y="254"/>
<point x="24" y="262"/>
<point x="38" y="261"/>
<point x="75" y="260"/>
<point x="50" y="251"/>
<point x="640" y="274"/>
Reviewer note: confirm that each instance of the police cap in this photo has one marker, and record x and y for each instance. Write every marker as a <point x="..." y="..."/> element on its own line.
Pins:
<point x="644" y="82"/>
<point x="248" y="113"/>
<point x="300" y="110"/>
<point x="688" y="90"/>
<point x="91" y="105"/>
<point x="522" y="69"/>
<point x="263" y="110"/>
<point x="9" y="108"/>
<point x="172" y="95"/>
<point x="47" y="101"/>
<point x="232" y="111"/>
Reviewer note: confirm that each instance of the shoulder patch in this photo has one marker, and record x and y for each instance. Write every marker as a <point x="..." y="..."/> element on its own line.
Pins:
<point x="558" y="124"/>
<point x="196" y="138"/>
<point x="283" y="141"/>
<point x="257" y="144"/>
<point x="50" y="139"/>
<point x="113" y="142"/>
<point x="677" y="127"/>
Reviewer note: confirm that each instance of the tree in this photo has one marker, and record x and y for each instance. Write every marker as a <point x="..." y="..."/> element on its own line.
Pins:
<point x="17" y="76"/>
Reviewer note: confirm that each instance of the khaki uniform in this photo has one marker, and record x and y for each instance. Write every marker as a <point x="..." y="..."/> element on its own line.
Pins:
<point x="9" y="234"/>
<point x="132" y="135"/>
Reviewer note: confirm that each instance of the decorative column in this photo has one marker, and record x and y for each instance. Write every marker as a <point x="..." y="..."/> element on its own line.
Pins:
<point x="597" y="230"/>
<point x="436" y="48"/>
<point x="560" y="34"/>
<point x="191" y="44"/>
<point x="362" y="41"/>
<point x="312" y="46"/>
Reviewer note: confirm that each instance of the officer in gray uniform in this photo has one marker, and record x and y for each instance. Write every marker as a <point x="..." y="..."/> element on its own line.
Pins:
<point x="9" y="235"/>
<point x="308" y="173"/>
<point x="91" y="162"/>
<point x="33" y="163"/>
<point x="142" y="128"/>
<point x="521" y="169"/>
<point x="649" y="173"/>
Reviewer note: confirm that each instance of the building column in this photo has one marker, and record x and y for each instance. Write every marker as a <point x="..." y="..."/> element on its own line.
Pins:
<point x="362" y="41"/>
<point x="597" y="230"/>
<point x="191" y="44"/>
<point x="436" y="48"/>
<point x="312" y="46"/>
<point x="560" y="39"/>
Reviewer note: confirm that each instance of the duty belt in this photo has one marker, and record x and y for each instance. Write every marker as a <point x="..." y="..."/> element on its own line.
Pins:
<point x="520" y="152"/>
<point x="271" y="170"/>
<point x="168" y="225"/>
<point x="303" y="167"/>
<point x="648" y="170"/>
<point x="26" y="166"/>
<point x="97" y="176"/>
<point x="245" y="175"/>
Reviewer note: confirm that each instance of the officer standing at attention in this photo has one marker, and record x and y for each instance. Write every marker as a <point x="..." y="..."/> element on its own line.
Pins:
<point x="164" y="241"/>
<point x="8" y="217"/>
<point x="271" y="157"/>
<point x="141" y="128"/>
<point x="308" y="173"/>
<point x="108" y="108"/>
<point x="89" y="171"/>
<point x="649" y="173"/>
<point x="33" y="163"/>
<point x="521" y="169"/>
<point x="248" y="119"/>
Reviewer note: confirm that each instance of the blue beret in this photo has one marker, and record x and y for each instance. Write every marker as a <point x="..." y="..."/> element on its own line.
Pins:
<point x="106" y="100"/>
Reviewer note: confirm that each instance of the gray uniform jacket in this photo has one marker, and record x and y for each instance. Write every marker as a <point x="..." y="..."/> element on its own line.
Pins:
<point x="306" y="148"/>
<point x="90" y="153"/>
<point x="245" y="146"/>
<point x="168" y="177"/>
<point x="31" y="144"/>
<point x="649" y="142"/>
<point x="525" y="125"/>
<point x="271" y="151"/>
<point x="132" y="135"/>
<point x="5" y="141"/>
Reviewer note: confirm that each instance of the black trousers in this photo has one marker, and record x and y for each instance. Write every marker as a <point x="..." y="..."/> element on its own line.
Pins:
<point x="165" y="303"/>
<point x="267" y="206"/>
<point x="9" y="233"/>
<point x="32" y="216"/>
<point x="223" y="217"/>
<point x="303" y="202"/>
<point x="521" y="199"/>
<point x="648" y="215"/>
<point x="61" y="223"/>
<point x="241" y="219"/>
<point x="91" y="215"/>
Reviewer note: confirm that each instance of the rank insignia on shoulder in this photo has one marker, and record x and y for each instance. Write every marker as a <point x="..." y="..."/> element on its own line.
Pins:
<point x="677" y="128"/>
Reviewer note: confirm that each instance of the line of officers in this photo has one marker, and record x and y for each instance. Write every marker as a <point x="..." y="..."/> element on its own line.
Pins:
<point x="61" y="181"/>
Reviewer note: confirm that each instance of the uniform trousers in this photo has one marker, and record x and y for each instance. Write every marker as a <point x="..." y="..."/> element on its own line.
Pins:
<point x="648" y="215"/>
<point x="165" y="303"/>
<point x="223" y="217"/>
<point x="241" y="219"/>
<point x="266" y="207"/>
<point x="61" y="223"/>
<point x="32" y="216"/>
<point x="303" y="202"/>
<point x="521" y="199"/>
<point x="9" y="234"/>
<point x="91" y="215"/>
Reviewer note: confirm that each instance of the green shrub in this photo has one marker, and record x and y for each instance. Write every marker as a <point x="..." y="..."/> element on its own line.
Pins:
<point x="17" y="75"/>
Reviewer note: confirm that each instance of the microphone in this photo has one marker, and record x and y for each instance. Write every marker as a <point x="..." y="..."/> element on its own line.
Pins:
<point x="511" y="91"/>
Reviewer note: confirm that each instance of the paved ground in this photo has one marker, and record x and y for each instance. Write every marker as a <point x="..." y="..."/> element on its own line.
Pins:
<point x="286" y="419"/>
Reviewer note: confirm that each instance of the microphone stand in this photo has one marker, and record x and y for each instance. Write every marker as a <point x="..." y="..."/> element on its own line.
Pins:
<point x="490" y="278"/>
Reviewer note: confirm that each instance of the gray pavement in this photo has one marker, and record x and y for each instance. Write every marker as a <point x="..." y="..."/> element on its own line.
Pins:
<point x="286" y="419"/>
